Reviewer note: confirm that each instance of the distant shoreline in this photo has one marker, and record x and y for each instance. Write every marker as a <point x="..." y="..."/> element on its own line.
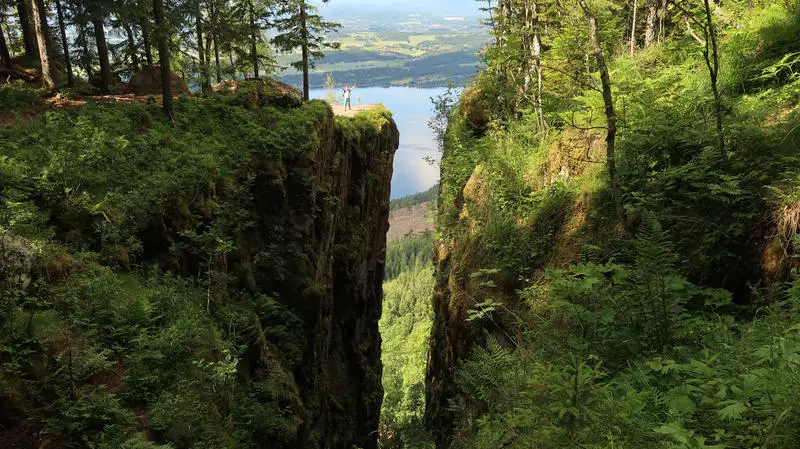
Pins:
<point x="458" y="83"/>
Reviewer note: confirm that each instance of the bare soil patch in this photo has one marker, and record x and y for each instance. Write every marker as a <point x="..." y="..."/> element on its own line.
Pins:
<point x="414" y="221"/>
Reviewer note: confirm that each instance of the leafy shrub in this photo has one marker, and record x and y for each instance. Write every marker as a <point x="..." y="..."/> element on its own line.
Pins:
<point x="17" y="98"/>
<point x="91" y="417"/>
<point x="627" y="311"/>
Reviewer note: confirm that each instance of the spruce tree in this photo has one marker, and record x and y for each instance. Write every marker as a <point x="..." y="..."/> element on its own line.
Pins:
<point x="65" y="43"/>
<point x="162" y="40"/>
<point x="5" y="56"/>
<point x="40" y="21"/>
<point x="300" y="26"/>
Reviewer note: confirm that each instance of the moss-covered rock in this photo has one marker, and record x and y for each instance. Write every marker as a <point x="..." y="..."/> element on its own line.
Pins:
<point x="147" y="81"/>
<point x="475" y="106"/>
<point x="261" y="92"/>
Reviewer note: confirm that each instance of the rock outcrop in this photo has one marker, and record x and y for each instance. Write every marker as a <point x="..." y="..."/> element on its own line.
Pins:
<point x="322" y="213"/>
<point x="267" y="262"/>
<point x="147" y="81"/>
<point x="263" y="91"/>
<point x="346" y="239"/>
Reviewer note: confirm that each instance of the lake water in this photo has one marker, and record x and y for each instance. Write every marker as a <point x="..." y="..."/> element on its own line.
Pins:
<point x="411" y="109"/>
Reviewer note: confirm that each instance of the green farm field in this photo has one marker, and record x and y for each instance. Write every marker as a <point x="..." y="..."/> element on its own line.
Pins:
<point x="396" y="58"/>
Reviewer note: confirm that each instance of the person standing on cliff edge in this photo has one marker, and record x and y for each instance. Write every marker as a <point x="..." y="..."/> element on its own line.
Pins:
<point x="347" y="91"/>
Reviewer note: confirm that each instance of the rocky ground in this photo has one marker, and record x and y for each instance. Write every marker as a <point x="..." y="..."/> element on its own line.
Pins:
<point x="338" y="109"/>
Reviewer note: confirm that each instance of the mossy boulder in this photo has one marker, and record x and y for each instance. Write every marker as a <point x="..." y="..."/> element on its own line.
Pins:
<point x="475" y="108"/>
<point x="147" y="81"/>
<point x="261" y="92"/>
<point x="17" y="257"/>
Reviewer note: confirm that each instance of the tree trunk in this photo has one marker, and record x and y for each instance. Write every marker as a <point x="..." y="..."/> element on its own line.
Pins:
<point x="214" y="18"/>
<point x="163" y="59"/>
<point x="216" y="59"/>
<point x="148" y="54"/>
<point x="205" y="83"/>
<point x="63" y="29"/>
<point x="536" y="58"/>
<point x="51" y="49"/>
<point x="253" y="41"/>
<point x="5" y="56"/>
<point x="209" y="39"/>
<point x="633" y="28"/>
<point x="44" y="58"/>
<point x="304" y="40"/>
<point x="86" y="60"/>
<point x="102" y="54"/>
<point x="651" y="23"/>
<point x="132" y="47"/>
<point x="504" y="9"/>
<point x="28" y="34"/>
<point x="713" y="71"/>
<point x="611" y="115"/>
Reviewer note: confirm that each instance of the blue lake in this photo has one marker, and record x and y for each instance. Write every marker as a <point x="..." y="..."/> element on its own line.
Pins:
<point x="411" y="109"/>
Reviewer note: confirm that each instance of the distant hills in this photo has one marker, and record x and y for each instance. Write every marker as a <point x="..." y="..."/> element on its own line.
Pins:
<point x="408" y="43"/>
<point x="368" y="9"/>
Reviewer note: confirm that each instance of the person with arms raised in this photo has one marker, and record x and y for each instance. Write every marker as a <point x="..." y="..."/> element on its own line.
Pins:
<point x="348" y="90"/>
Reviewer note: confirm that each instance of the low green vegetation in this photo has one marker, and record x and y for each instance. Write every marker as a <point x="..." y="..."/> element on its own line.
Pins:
<point x="15" y="98"/>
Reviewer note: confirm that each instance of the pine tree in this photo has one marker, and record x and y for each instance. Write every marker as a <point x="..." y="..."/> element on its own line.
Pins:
<point x="40" y="21"/>
<point x="201" y="54"/>
<point x="144" y="25"/>
<point x="5" y="57"/>
<point x="162" y="36"/>
<point x="63" y="31"/>
<point x="299" y="26"/>
<point x="97" y="11"/>
<point x="28" y="34"/>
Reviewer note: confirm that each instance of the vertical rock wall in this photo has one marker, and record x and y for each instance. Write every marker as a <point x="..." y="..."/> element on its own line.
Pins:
<point x="274" y="252"/>
<point x="331" y="203"/>
<point x="343" y="378"/>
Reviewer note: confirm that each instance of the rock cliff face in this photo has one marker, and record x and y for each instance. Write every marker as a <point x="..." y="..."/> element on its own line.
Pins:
<point x="324" y="211"/>
<point x="467" y="270"/>
<point x="452" y="336"/>
<point x="347" y="241"/>
<point x="276" y="237"/>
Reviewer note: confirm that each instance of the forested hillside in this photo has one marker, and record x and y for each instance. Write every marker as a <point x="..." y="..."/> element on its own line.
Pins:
<point x="616" y="237"/>
<point x="405" y="329"/>
<point x="614" y="261"/>
<point x="415" y="199"/>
